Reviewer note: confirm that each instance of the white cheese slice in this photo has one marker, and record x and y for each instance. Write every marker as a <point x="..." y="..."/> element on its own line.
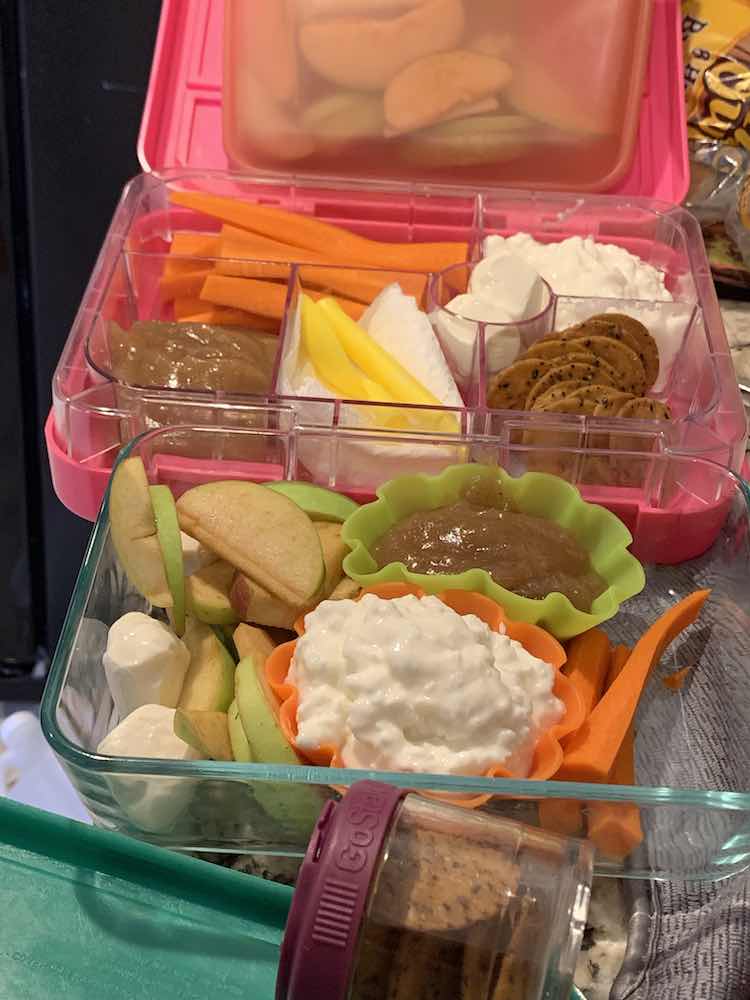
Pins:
<point x="144" y="662"/>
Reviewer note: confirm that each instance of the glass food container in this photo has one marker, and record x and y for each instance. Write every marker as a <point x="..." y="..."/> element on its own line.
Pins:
<point x="691" y="800"/>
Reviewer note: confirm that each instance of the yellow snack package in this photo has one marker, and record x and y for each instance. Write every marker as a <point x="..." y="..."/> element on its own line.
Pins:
<point x="717" y="70"/>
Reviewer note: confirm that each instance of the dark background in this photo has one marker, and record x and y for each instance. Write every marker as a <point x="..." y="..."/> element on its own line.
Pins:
<point x="74" y="79"/>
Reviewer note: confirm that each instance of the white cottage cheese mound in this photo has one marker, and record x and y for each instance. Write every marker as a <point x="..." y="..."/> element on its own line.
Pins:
<point x="410" y="685"/>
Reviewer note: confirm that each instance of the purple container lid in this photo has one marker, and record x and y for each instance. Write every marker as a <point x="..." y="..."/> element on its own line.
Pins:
<point x="330" y="898"/>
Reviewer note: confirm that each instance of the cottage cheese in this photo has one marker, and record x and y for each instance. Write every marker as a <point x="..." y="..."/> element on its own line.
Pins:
<point x="411" y="685"/>
<point x="582" y="266"/>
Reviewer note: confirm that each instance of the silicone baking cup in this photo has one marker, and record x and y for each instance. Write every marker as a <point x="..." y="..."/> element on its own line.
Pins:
<point x="548" y="754"/>
<point x="601" y="533"/>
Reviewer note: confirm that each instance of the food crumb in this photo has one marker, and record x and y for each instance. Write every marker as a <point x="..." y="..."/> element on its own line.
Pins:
<point x="676" y="680"/>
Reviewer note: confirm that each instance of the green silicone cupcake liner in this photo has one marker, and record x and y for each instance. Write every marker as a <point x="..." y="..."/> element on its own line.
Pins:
<point x="601" y="533"/>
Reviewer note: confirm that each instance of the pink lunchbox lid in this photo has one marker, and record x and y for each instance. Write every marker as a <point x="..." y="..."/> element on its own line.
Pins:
<point x="182" y="119"/>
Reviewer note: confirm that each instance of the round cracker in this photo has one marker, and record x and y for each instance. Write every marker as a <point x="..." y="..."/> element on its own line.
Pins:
<point x="644" y="408"/>
<point x="633" y="333"/>
<point x="510" y="388"/>
<point x="598" y="392"/>
<point x="548" y="348"/>
<point x="572" y="404"/>
<point x="627" y="364"/>
<point x="558" y="391"/>
<point x="572" y="370"/>
<point x="610" y="406"/>
<point x="589" y="358"/>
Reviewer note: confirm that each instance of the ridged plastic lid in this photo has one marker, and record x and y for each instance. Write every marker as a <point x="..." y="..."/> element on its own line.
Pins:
<point x="330" y="898"/>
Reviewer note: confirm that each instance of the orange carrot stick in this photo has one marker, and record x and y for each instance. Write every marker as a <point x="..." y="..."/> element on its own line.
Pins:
<point x="263" y="297"/>
<point x="332" y="242"/>
<point x="676" y="680"/>
<point x="563" y="816"/>
<point x="587" y="665"/>
<point x="198" y="311"/>
<point x="188" y="244"/>
<point x="590" y="753"/>
<point x="180" y="286"/>
<point x="617" y="660"/>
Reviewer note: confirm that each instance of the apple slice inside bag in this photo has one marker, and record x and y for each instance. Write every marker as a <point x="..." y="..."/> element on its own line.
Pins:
<point x="263" y="534"/>
<point x="170" y="542"/>
<point x="133" y="531"/>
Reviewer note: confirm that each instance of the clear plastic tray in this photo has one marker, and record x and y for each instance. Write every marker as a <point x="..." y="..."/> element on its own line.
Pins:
<point x="692" y="744"/>
<point x="94" y="414"/>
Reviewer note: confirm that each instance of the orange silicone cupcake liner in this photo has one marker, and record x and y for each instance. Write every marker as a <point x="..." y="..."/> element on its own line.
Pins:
<point x="548" y="753"/>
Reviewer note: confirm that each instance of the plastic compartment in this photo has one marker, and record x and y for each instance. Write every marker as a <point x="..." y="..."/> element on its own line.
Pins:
<point x="182" y="122"/>
<point x="693" y="798"/>
<point x="93" y="414"/>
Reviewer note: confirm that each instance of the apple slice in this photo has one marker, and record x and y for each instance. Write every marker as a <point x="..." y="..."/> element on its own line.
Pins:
<point x="240" y="747"/>
<point x="207" y="594"/>
<point x="252" y="641"/>
<point x="345" y="590"/>
<point x="259" y="531"/>
<point x="209" y="682"/>
<point x="168" y="533"/>
<point x="293" y="804"/>
<point x="317" y="502"/>
<point x="133" y="530"/>
<point x="206" y="732"/>
<point x="253" y="603"/>
<point x="334" y="552"/>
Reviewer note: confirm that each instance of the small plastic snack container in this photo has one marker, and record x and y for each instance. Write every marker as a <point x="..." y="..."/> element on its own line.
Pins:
<point x="459" y="91"/>
<point x="403" y="898"/>
<point x="683" y="817"/>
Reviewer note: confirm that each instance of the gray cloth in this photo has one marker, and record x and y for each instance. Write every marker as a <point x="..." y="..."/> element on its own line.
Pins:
<point x="697" y="944"/>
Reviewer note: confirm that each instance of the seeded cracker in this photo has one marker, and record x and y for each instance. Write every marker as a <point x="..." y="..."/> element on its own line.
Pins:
<point x="631" y="376"/>
<point x="564" y="373"/>
<point x="633" y="333"/>
<point x="510" y="388"/>
<point x="548" y="348"/>
<point x="589" y="358"/>
<point x="559" y="391"/>
<point x="630" y="469"/>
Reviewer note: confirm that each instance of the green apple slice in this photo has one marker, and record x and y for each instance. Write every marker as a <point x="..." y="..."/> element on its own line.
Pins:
<point x="133" y="531"/>
<point x="291" y="804"/>
<point x="240" y="746"/>
<point x="252" y="641"/>
<point x="317" y="502"/>
<point x="207" y="594"/>
<point x="206" y="732"/>
<point x="209" y="682"/>
<point x="168" y="533"/>
<point x="260" y="532"/>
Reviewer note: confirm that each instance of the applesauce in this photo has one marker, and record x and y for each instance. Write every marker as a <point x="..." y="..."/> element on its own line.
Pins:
<point x="193" y="356"/>
<point x="530" y="556"/>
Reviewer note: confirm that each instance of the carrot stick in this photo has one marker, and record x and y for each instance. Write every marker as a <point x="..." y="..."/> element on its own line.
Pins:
<point x="563" y="816"/>
<point x="263" y="297"/>
<point x="180" y="286"/>
<point x="615" y="827"/>
<point x="591" y="752"/>
<point x="587" y="665"/>
<point x="360" y="286"/>
<point x="332" y="242"/>
<point x="676" y="680"/>
<point x="198" y="311"/>
<point x="187" y="244"/>
<point x="242" y="243"/>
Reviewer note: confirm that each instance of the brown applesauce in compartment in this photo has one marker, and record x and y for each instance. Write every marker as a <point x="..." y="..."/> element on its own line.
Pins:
<point x="530" y="556"/>
<point x="193" y="356"/>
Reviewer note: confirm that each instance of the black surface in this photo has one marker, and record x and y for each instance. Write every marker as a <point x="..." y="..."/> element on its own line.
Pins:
<point x="87" y="68"/>
<point x="84" y="69"/>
